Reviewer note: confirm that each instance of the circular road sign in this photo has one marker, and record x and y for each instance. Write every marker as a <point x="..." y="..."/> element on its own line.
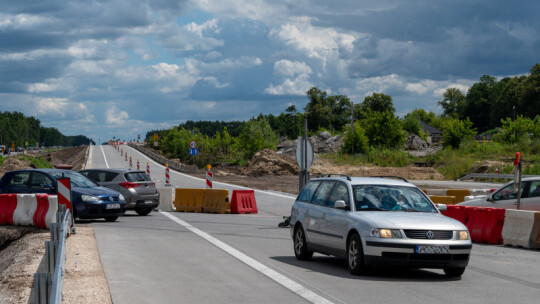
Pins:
<point x="193" y="144"/>
<point x="155" y="144"/>
<point x="300" y="154"/>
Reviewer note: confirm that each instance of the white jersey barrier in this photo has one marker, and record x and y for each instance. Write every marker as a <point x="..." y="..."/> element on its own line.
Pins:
<point x="521" y="228"/>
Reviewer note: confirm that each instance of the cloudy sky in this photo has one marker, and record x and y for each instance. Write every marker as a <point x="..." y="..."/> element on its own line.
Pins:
<point x="124" y="67"/>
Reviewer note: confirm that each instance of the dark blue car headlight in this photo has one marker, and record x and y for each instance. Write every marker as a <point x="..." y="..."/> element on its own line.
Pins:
<point x="89" y="198"/>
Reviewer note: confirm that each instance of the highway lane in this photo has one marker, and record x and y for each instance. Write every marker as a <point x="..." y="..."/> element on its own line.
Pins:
<point x="154" y="259"/>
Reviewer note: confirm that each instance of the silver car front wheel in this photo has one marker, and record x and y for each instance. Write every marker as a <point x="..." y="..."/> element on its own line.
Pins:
<point x="355" y="255"/>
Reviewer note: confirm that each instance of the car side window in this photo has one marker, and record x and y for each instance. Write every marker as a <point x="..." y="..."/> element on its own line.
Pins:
<point x="507" y="193"/>
<point x="340" y="192"/>
<point x="308" y="191"/>
<point x="322" y="193"/>
<point x="40" y="180"/>
<point x="109" y="176"/>
<point x="534" y="189"/>
<point x="19" y="179"/>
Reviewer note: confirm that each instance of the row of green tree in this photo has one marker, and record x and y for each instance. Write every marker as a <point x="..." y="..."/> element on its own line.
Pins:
<point x="375" y="121"/>
<point x="19" y="129"/>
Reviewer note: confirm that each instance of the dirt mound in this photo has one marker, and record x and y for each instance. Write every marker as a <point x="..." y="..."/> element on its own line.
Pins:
<point x="266" y="162"/>
<point x="13" y="163"/>
<point x="75" y="157"/>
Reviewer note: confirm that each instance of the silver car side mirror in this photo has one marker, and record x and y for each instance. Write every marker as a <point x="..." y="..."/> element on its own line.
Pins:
<point x="340" y="204"/>
<point x="442" y="207"/>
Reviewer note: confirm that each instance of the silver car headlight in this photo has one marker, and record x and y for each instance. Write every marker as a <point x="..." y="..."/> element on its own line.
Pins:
<point x="463" y="235"/>
<point x="385" y="233"/>
<point x="89" y="198"/>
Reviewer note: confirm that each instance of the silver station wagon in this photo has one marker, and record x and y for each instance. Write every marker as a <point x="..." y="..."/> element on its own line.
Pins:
<point x="374" y="221"/>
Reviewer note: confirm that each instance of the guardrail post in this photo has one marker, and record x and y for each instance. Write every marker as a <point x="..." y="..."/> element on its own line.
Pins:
<point x="51" y="249"/>
<point x="54" y="231"/>
<point x="42" y="287"/>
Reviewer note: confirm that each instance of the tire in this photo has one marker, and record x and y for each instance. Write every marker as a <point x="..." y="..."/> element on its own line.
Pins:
<point x="143" y="211"/>
<point x="111" y="218"/>
<point x="355" y="256"/>
<point x="300" y="245"/>
<point x="454" y="272"/>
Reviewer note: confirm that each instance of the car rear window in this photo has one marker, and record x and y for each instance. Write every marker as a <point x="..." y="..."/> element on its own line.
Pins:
<point x="137" y="177"/>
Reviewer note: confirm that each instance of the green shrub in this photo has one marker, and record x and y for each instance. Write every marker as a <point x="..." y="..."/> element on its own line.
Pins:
<point x="455" y="131"/>
<point x="355" y="142"/>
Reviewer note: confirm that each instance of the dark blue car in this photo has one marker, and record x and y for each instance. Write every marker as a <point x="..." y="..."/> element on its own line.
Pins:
<point x="89" y="200"/>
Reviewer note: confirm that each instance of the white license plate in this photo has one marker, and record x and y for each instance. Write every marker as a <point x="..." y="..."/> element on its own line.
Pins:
<point x="148" y="202"/>
<point x="432" y="249"/>
<point x="113" y="206"/>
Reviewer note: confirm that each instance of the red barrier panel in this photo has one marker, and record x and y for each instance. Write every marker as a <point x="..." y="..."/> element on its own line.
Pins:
<point x="41" y="210"/>
<point x="459" y="213"/>
<point x="476" y="223"/>
<point x="493" y="226"/>
<point x="8" y="204"/>
<point x="243" y="201"/>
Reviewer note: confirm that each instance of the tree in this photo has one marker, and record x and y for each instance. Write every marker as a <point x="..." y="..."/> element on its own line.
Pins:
<point x="383" y="129"/>
<point x="529" y="102"/>
<point x="456" y="131"/>
<point x="513" y="131"/>
<point x="318" y="110"/>
<point x="453" y="102"/>
<point x="378" y="103"/>
<point x="355" y="142"/>
<point x="257" y="135"/>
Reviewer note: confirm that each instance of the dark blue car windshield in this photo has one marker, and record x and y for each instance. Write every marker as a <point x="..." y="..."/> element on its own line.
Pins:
<point x="77" y="179"/>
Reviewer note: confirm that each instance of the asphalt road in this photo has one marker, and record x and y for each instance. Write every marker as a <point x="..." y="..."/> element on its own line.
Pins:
<point x="172" y="257"/>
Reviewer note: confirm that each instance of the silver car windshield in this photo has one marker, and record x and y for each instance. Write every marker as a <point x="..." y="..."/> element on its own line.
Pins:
<point x="391" y="198"/>
<point x="77" y="179"/>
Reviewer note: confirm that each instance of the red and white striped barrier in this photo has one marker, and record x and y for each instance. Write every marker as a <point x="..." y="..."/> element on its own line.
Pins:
<point x="28" y="209"/>
<point x="209" y="179"/>
<point x="121" y="152"/>
<point x="167" y="175"/>
<point x="64" y="193"/>
<point x="147" y="169"/>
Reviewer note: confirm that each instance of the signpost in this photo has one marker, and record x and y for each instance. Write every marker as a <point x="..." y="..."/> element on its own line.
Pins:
<point x="517" y="178"/>
<point x="304" y="157"/>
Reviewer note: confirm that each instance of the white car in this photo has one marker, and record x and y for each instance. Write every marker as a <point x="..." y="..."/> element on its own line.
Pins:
<point x="506" y="198"/>
<point x="377" y="222"/>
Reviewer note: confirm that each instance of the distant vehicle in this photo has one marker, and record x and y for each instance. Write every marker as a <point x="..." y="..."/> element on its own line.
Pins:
<point x="377" y="222"/>
<point x="506" y="198"/>
<point x="19" y="149"/>
<point x="138" y="189"/>
<point x="89" y="200"/>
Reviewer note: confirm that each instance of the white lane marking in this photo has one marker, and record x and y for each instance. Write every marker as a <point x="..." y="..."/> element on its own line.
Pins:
<point x="230" y="185"/>
<point x="272" y="274"/>
<point x="89" y="160"/>
<point x="106" y="164"/>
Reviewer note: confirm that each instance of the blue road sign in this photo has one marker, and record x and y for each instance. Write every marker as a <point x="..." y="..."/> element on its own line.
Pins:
<point x="194" y="151"/>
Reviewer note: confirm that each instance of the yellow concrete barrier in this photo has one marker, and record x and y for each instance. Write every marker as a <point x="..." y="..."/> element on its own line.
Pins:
<point x="440" y="199"/>
<point x="459" y="194"/>
<point x="189" y="200"/>
<point x="216" y="201"/>
<point x="521" y="228"/>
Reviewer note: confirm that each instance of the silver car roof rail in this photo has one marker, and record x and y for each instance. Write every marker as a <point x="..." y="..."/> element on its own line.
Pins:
<point x="392" y="176"/>
<point x="334" y="174"/>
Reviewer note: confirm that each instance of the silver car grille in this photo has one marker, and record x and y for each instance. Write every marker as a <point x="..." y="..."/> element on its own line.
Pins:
<point x="429" y="234"/>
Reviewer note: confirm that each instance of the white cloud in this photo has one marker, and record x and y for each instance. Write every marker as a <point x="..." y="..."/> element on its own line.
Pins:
<point x="115" y="116"/>
<point x="296" y="80"/>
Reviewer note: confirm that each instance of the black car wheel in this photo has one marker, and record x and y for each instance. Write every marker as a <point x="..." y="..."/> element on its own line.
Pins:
<point x="300" y="245"/>
<point x="355" y="256"/>
<point x="111" y="218"/>
<point x="143" y="211"/>
<point x="455" y="272"/>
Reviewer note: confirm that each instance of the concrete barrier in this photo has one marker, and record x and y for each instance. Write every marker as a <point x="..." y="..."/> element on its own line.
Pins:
<point x="166" y="199"/>
<point x="189" y="200"/>
<point x="521" y="228"/>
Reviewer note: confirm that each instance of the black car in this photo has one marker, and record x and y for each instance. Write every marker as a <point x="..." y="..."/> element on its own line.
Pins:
<point x="89" y="200"/>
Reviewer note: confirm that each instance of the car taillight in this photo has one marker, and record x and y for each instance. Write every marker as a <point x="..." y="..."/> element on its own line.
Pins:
<point x="154" y="185"/>
<point x="129" y="185"/>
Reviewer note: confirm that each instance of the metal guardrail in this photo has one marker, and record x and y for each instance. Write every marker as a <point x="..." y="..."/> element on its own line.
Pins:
<point x="48" y="286"/>
<point x="162" y="160"/>
<point x="491" y="176"/>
